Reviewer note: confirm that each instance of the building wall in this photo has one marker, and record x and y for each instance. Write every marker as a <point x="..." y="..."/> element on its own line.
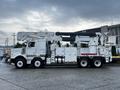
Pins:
<point x="114" y="30"/>
<point x="104" y="29"/>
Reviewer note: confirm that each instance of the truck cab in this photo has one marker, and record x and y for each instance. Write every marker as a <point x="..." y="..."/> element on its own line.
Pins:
<point x="25" y="55"/>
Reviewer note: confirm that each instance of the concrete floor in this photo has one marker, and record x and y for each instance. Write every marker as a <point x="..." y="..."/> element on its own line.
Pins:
<point x="60" y="78"/>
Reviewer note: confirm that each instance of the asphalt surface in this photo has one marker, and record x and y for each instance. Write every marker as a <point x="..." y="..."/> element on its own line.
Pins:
<point x="60" y="78"/>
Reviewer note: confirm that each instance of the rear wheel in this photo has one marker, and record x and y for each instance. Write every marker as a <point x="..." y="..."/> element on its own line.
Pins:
<point x="97" y="63"/>
<point x="20" y="63"/>
<point x="84" y="63"/>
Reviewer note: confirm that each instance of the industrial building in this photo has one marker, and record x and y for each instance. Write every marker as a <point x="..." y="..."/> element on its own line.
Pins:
<point x="113" y="30"/>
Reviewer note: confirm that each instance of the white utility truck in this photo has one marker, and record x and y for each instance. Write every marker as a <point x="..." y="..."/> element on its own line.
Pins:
<point x="52" y="48"/>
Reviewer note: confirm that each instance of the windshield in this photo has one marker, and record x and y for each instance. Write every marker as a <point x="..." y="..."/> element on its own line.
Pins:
<point x="31" y="44"/>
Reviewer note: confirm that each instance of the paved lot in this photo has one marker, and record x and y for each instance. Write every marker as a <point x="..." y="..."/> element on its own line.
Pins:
<point x="59" y="78"/>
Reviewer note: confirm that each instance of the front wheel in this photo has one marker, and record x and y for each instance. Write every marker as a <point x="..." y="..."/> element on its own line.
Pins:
<point x="37" y="63"/>
<point x="20" y="63"/>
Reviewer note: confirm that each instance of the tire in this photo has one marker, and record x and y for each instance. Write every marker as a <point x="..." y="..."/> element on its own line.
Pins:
<point x="84" y="63"/>
<point x="20" y="63"/>
<point x="37" y="63"/>
<point x="97" y="63"/>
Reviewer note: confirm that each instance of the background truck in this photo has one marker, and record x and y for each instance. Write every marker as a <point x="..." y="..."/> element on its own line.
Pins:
<point x="52" y="48"/>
